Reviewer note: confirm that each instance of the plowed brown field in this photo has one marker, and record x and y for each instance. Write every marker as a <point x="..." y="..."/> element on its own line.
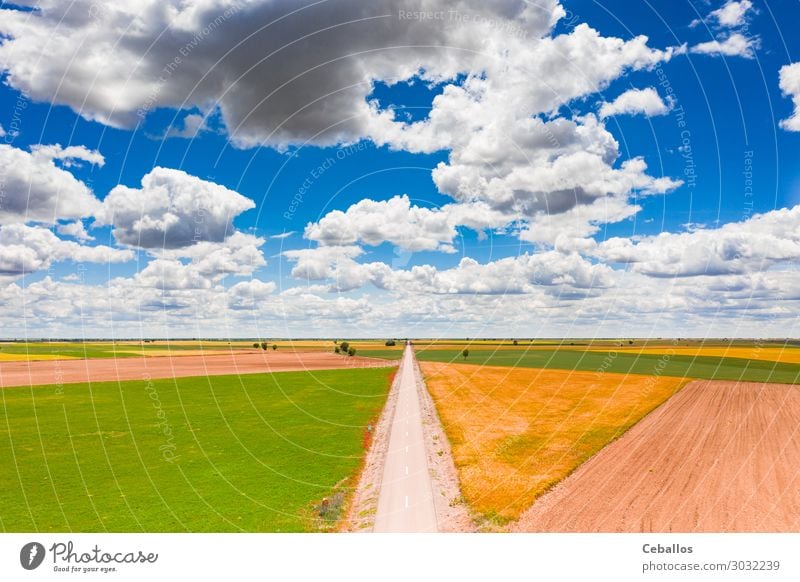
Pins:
<point x="110" y="369"/>
<point x="716" y="457"/>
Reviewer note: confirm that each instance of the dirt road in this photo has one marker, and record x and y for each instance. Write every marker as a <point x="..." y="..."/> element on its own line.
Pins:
<point x="105" y="370"/>
<point x="405" y="502"/>
<point x="716" y="457"/>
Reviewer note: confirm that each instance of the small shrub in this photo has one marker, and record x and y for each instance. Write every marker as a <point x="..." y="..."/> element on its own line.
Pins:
<point x="351" y="352"/>
<point x="330" y="508"/>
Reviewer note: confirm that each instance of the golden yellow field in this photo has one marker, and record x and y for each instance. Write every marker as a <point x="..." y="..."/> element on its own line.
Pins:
<point x="31" y="357"/>
<point x="770" y="354"/>
<point x="183" y="352"/>
<point x="515" y="432"/>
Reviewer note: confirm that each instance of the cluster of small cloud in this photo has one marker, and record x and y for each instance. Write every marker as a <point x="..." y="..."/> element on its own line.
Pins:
<point x="729" y="24"/>
<point x="721" y="305"/>
<point x="755" y="245"/>
<point x="184" y="224"/>
<point x="515" y="163"/>
<point x="28" y="249"/>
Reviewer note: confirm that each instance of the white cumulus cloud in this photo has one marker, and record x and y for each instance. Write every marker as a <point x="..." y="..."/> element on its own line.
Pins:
<point x="734" y="45"/>
<point x="732" y="14"/>
<point x="790" y="86"/>
<point x="250" y="294"/>
<point x="395" y="220"/>
<point x="172" y="209"/>
<point x="636" y="101"/>
<point x="35" y="189"/>
<point x="74" y="229"/>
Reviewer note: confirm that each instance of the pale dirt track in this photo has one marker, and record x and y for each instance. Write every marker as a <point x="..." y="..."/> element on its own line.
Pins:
<point x="716" y="457"/>
<point x="112" y="370"/>
<point x="451" y="514"/>
<point x="405" y="502"/>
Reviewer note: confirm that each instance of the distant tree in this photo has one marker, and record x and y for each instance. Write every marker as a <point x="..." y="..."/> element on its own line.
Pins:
<point x="465" y="353"/>
<point x="390" y="343"/>
<point x="274" y="347"/>
<point x="255" y="345"/>
<point x="351" y="352"/>
<point x="336" y="350"/>
<point x="630" y="342"/>
<point x="263" y="345"/>
<point x="345" y="346"/>
<point x="516" y="343"/>
<point x="336" y="342"/>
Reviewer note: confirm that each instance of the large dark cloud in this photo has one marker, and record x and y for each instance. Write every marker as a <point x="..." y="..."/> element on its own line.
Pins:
<point x="281" y="71"/>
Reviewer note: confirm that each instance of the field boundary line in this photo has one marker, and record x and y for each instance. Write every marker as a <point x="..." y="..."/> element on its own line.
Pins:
<point x="452" y="513"/>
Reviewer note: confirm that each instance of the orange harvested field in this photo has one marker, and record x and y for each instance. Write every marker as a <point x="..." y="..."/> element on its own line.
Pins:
<point x="515" y="432"/>
<point x="110" y="369"/>
<point x="717" y="457"/>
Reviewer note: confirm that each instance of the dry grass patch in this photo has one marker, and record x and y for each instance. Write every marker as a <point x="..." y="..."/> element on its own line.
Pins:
<point x="516" y="432"/>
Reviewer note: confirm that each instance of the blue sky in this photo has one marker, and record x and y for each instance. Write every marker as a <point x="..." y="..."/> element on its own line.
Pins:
<point x="371" y="131"/>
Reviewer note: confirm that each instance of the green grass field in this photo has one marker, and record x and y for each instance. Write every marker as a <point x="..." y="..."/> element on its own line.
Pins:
<point x="609" y="343"/>
<point x="702" y="367"/>
<point x="250" y="453"/>
<point x="387" y="354"/>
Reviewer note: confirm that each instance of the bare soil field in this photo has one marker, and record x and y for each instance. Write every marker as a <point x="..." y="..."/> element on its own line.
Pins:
<point x="716" y="457"/>
<point x="110" y="369"/>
